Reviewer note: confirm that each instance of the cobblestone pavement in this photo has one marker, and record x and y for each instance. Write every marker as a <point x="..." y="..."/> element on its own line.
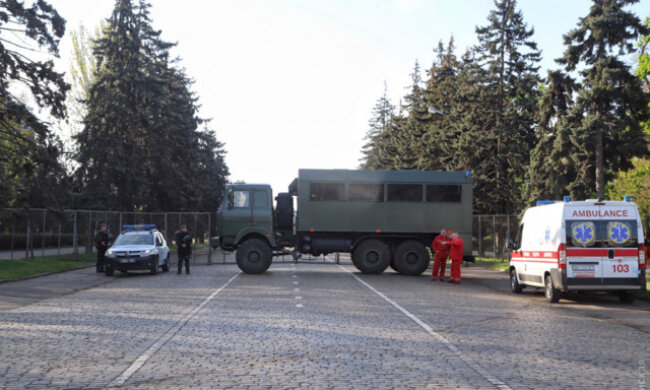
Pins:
<point x="312" y="326"/>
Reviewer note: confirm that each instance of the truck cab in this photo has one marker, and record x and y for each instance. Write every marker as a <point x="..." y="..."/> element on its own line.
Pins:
<point x="246" y="213"/>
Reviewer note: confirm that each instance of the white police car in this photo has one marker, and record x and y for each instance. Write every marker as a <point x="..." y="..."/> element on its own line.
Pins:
<point x="139" y="247"/>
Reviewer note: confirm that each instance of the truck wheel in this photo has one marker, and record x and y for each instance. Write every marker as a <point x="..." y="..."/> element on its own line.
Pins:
<point x="254" y="256"/>
<point x="371" y="256"/>
<point x="626" y="297"/>
<point x="411" y="258"/>
<point x="552" y="295"/>
<point x="515" y="287"/>
<point x="165" y="267"/>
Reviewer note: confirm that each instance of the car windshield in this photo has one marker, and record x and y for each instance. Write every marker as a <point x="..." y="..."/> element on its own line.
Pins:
<point x="134" y="239"/>
<point x="601" y="234"/>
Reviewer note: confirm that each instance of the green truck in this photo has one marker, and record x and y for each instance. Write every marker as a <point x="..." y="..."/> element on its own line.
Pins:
<point x="383" y="218"/>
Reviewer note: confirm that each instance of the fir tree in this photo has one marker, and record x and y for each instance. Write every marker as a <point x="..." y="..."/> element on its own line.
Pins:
<point x="611" y="104"/>
<point x="382" y="113"/>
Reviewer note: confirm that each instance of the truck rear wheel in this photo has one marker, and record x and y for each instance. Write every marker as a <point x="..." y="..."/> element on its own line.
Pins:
<point x="371" y="256"/>
<point x="411" y="258"/>
<point x="254" y="256"/>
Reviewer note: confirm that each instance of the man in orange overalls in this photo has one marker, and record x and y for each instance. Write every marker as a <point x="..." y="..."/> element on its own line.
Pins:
<point x="440" y="247"/>
<point x="456" y="253"/>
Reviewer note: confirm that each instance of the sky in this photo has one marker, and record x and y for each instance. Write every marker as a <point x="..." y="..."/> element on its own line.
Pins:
<point x="291" y="84"/>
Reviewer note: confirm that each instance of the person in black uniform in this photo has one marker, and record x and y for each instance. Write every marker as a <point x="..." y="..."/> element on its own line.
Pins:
<point x="184" y="244"/>
<point x="102" y="242"/>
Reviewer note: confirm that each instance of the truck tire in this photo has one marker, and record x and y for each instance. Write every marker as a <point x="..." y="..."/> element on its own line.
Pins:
<point x="371" y="256"/>
<point x="411" y="258"/>
<point x="254" y="256"/>
<point x="515" y="287"/>
<point x="550" y="292"/>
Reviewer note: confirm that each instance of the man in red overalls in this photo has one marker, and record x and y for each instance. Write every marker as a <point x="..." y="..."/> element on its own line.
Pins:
<point x="456" y="253"/>
<point x="440" y="247"/>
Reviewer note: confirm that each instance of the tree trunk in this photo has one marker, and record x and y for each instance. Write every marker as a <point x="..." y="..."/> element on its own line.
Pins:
<point x="600" y="174"/>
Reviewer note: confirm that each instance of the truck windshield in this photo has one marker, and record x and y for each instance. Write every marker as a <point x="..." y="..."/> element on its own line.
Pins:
<point x="134" y="239"/>
<point x="601" y="234"/>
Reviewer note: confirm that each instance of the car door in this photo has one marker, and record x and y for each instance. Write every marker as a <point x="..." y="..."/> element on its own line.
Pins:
<point x="163" y="249"/>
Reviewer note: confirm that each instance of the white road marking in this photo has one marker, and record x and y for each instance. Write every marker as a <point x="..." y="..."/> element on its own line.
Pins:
<point x="473" y="365"/>
<point x="295" y="282"/>
<point x="298" y="297"/>
<point x="296" y="289"/>
<point x="171" y="332"/>
<point x="295" y="276"/>
<point x="299" y="305"/>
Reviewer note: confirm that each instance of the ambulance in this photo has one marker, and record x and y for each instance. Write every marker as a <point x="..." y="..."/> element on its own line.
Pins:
<point x="566" y="246"/>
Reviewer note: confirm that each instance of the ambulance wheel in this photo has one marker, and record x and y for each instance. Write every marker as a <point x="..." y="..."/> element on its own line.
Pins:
<point x="515" y="287"/>
<point x="371" y="256"/>
<point x="626" y="297"/>
<point x="552" y="295"/>
<point x="254" y="256"/>
<point x="411" y="258"/>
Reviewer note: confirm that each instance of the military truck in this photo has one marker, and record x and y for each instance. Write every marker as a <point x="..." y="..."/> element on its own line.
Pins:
<point x="383" y="218"/>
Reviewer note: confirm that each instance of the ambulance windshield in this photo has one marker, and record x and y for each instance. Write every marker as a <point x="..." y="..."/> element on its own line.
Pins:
<point x="601" y="233"/>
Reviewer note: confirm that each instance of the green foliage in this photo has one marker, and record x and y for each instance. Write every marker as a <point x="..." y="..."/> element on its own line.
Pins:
<point x="636" y="183"/>
<point x="30" y="174"/>
<point x="643" y="69"/>
<point x="14" y="269"/>
<point x="141" y="147"/>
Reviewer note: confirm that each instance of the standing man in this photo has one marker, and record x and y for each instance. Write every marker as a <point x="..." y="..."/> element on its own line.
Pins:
<point x="456" y="253"/>
<point x="440" y="247"/>
<point x="102" y="241"/>
<point x="184" y="244"/>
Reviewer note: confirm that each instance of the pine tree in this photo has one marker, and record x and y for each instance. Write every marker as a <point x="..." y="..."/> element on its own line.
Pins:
<point x="382" y="113"/>
<point x="141" y="148"/>
<point x="30" y="173"/>
<point x="509" y="59"/>
<point x="610" y="104"/>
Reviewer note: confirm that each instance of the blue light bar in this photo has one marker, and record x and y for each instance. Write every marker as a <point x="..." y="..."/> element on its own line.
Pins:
<point x="543" y="202"/>
<point x="627" y="198"/>
<point x="567" y="198"/>
<point x="138" y="227"/>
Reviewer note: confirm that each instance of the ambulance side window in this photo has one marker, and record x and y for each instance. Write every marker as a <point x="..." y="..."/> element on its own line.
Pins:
<point x="518" y="238"/>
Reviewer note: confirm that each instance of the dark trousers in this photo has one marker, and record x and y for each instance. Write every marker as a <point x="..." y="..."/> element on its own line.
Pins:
<point x="186" y="259"/>
<point x="100" y="258"/>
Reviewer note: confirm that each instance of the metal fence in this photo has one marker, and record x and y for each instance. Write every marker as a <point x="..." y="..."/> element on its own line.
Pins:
<point x="42" y="232"/>
<point x="491" y="233"/>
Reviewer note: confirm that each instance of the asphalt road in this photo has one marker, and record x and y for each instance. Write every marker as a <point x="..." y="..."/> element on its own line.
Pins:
<point x="313" y="326"/>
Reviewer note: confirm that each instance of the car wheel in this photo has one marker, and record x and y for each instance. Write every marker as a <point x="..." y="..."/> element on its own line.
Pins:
<point x="515" y="287"/>
<point x="154" y="267"/>
<point x="411" y="258"/>
<point x="165" y="267"/>
<point x="372" y="256"/>
<point x="254" y="256"/>
<point x="552" y="294"/>
<point x="626" y="297"/>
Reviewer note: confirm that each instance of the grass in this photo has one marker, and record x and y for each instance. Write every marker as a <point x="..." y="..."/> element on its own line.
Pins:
<point x="20" y="268"/>
<point x="491" y="262"/>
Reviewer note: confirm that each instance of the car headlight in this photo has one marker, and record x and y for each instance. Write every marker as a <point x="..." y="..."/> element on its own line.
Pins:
<point x="110" y="252"/>
<point x="151" y="251"/>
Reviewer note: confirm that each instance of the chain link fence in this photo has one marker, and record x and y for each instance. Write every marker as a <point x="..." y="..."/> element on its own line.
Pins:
<point x="43" y="232"/>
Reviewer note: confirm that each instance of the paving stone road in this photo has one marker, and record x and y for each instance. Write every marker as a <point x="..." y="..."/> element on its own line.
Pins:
<point x="318" y="326"/>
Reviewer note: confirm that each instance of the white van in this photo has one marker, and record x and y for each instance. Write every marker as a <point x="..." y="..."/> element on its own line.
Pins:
<point x="580" y="245"/>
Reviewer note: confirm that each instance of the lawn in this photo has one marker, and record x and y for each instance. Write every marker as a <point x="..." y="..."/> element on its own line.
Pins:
<point x="490" y="262"/>
<point x="13" y="269"/>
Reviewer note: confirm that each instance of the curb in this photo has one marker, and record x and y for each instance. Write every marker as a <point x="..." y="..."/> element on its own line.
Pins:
<point x="44" y="274"/>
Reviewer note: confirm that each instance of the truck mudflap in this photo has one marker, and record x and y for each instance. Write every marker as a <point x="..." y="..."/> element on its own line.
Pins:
<point x="559" y="279"/>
